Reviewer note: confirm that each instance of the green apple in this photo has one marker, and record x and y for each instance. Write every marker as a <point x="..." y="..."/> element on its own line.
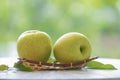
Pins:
<point x="72" y="47"/>
<point x="34" y="45"/>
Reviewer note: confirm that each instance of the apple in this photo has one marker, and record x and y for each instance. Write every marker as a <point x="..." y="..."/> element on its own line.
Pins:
<point x="34" y="45"/>
<point x="72" y="47"/>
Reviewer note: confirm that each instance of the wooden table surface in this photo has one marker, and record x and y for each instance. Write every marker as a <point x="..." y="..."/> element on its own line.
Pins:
<point x="84" y="74"/>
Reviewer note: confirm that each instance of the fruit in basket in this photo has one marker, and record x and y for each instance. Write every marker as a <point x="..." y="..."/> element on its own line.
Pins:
<point x="34" y="45"/>
<point x="72" y="47"/>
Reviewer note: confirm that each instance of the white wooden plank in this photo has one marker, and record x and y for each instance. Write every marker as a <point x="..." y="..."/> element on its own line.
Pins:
<point x="86" y="74"/>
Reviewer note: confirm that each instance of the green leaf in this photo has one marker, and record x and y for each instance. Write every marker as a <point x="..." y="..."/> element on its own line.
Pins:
<point x="108" y="66"/>
<point x="99" y="65"/>
<point x="51" y="60"/>
<point x="3" y="67"/>
<point x="94" y="64"/>
<point x="22" y="67"/>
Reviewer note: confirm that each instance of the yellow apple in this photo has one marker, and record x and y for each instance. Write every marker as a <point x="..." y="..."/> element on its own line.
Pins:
<point x="34" y="45"/>
<point x="72" y="47"/>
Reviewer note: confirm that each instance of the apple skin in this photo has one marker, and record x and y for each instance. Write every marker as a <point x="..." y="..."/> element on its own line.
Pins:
<point x="72" y="47"/>
<point x="34" y="45"/>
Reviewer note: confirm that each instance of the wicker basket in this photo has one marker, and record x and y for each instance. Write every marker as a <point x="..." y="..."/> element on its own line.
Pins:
<point x="53" y="66"/>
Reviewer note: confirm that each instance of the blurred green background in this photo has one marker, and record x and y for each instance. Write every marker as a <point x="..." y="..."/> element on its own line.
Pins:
<point x="99" y="20"/>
